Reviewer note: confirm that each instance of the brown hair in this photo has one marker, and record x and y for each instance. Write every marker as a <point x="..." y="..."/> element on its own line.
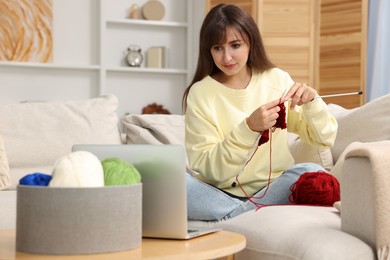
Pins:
<point x="213" y="30"/>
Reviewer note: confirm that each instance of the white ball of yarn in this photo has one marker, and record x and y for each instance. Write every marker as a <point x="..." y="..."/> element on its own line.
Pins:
<point x="78" y="169"/>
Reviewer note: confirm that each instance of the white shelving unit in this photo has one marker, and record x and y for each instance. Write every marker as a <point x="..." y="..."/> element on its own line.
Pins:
<point x="90" y="46"/>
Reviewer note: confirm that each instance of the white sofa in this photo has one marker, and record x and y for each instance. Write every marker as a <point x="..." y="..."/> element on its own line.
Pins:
<point x="36" y="134"/>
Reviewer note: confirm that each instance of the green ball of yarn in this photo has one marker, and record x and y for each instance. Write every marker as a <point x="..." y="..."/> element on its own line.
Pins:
<point x="119" y="172"/>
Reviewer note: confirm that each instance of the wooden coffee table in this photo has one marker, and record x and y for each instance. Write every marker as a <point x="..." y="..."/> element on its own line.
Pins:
<point x="218" y="245"/>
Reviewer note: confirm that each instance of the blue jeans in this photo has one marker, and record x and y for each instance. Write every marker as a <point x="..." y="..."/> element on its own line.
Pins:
<point x="205" y="202"/>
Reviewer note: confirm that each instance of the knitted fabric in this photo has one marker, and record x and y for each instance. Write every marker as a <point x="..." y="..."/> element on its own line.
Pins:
<point x="280" y="123"/>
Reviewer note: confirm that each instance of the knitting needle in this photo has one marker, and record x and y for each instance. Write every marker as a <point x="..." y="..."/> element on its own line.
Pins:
<point x="337" y="95"/>
<point x="342" y="94"/>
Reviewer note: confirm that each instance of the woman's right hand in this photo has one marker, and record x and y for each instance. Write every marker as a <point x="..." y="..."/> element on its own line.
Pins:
<point x="264" y="117"/>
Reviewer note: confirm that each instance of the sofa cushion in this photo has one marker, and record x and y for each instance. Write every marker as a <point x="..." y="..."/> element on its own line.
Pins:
<point x="4" y="168"/>
<point x="296" y="232"/>
<point x="36" y="134"/>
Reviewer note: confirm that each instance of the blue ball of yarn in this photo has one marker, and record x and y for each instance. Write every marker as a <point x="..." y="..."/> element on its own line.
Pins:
<point x="118" y="172"/>
<point x="35" y="179"/>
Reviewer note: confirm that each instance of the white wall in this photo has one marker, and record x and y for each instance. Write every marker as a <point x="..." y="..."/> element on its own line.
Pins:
<point x="75" y="26"/>
<point x="198" y="16"/>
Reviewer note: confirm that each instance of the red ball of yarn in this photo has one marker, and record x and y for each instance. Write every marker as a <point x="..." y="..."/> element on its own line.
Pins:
<point x="315" y="188"/>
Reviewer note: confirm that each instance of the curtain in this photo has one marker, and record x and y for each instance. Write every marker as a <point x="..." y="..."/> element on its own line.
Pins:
<point x="378" y="49"/>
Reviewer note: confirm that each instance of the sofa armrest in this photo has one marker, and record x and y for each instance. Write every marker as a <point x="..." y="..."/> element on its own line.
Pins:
<point x="365" y="189"/>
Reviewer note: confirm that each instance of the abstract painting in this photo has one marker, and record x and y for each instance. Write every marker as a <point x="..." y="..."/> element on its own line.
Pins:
<point x="26" y="30"/>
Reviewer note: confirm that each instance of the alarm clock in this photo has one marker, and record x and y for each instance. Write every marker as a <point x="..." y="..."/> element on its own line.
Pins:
<point x="134" y="56"/>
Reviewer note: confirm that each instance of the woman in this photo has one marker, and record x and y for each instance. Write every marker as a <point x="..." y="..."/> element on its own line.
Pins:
<point x="236" y="102"/>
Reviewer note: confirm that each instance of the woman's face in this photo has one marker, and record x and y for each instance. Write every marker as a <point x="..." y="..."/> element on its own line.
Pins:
<point x="231" y="56"/>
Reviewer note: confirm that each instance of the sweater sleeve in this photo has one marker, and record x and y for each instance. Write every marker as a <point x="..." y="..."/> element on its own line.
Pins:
<point x="313" y="123"/>
<point x="216" y="156"/>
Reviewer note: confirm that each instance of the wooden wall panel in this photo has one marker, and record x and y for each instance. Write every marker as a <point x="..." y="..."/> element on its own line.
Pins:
<point x="288" y="28"/>
<point x="247" y="5"/>
<point x="342" y="43"/>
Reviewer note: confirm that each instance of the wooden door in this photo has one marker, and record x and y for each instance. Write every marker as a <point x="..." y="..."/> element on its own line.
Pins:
<point x="342" y="50"/>
<point x="288" y="31"/>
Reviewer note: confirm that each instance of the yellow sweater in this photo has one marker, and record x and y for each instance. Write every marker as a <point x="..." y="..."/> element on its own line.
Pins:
<point x="218" y="139"/>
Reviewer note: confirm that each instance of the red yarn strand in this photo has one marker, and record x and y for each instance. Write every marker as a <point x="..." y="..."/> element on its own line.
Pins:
<point x="250" y="198"/>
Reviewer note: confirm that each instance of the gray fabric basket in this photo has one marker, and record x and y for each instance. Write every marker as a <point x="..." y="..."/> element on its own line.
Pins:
<point x="78" y="220"/>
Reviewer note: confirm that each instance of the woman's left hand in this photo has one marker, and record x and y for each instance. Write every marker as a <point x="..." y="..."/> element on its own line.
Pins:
<point x="300" y="94"/>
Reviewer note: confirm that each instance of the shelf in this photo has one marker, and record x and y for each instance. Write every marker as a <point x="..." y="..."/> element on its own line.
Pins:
<point x="38" y="65"/>
<point x="147" y="23"/>
<point x="147" y="70"/>
<point x="144" y="84"/>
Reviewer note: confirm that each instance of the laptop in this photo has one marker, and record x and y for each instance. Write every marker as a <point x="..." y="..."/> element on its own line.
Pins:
<point x="164" y="198"/>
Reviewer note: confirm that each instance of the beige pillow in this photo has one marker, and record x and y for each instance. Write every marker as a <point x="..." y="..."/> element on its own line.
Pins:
<point x="36" y="134"/>
<point x="303" y="152"/>
<point x="368" y="123"/>
<point x="154" y="129"/>
<point x="359" y="125"/>
<point x="4" y="168"/>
